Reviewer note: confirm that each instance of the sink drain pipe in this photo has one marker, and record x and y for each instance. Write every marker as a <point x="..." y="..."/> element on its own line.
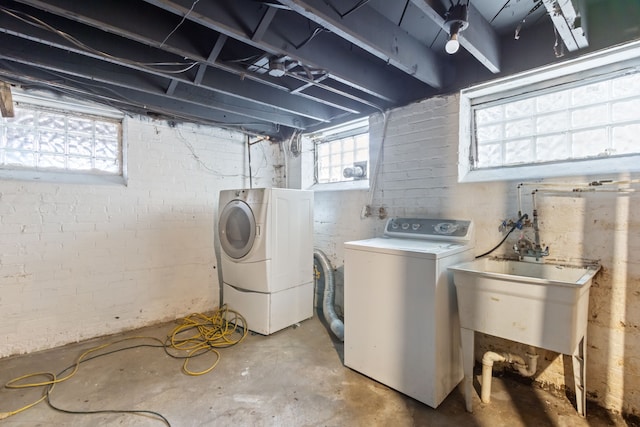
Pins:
<point x="335" y="324"/>
<point x="525" y="369"/>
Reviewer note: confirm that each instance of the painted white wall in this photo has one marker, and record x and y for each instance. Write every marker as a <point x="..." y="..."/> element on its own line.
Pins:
<point x="79" y="261"/>
<point x="418" y="177"/>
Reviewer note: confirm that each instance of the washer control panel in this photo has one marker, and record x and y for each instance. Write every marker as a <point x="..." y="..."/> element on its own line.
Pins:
<point x="429" y="228"/>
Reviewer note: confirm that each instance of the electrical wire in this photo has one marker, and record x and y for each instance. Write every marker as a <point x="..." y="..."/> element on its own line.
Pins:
<point x="249" y="162"/>
<point x="179" y="23"/>
<point x="121" y="103"/>
<point x="498" y="13"/>
<point x="38" y="23"/>
<point x="519" y="27"/>
<point x="558" y="46"/>
<point x="312" y="36"/>
<point x="404" y="11"/>
<point x="374" y="176"/>
<point x="197" y="334"/>
<point x="354" y="8"/>
<point x="197" y="158"/>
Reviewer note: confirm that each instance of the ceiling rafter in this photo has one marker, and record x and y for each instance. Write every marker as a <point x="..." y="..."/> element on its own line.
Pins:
<point x="568" y="21"/>
<point x="264" y="24"/>
<point x="274" y="67"/>
<point x="128" y="100"/>
<point x="73" y="64"/>
<point x="388" y="42"/>
<point x="217" y="48"/>
<point x="128" y="24"/>
<point x="239" y="18"/>
<point x="218" y="80"/>
<point x="479" y="38"/>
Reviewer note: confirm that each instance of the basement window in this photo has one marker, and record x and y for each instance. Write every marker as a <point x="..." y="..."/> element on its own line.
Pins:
<point x="342" y="153"/>
<point x="49" y="137"/>
<point x="577" y="118"/>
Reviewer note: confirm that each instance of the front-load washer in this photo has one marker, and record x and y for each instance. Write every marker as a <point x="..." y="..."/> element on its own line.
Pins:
<point x="266" y="237"/>
<point x="401" y="324"/>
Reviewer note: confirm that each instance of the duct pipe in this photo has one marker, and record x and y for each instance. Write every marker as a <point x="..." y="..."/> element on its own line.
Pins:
<point x="524" y="369"/>
<point x="335" y="324"/>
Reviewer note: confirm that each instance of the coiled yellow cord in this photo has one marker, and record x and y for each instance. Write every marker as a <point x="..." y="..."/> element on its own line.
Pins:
<point x="197" y="334"/>
<point x="224" y="329"/>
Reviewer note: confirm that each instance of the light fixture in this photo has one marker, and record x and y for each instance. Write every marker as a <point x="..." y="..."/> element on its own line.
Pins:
<point x="277" y="67"/>
<point x="457" y="20"/>
<point x="357" y="172"/>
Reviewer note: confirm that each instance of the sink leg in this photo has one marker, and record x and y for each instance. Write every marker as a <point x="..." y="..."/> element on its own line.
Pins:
<point x="466" y="336"/>
<point x="580" y="375"/>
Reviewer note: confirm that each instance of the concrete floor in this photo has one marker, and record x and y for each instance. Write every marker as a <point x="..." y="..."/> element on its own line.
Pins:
<point x="292" y="378"/>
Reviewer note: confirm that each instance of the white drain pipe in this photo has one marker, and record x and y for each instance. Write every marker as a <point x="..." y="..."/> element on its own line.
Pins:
<point x="336" y="325"/>
<point x="525" y="369"/>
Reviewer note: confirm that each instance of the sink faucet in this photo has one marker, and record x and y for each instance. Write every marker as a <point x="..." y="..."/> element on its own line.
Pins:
<point x="538" y="252"/>
<point x="527" y="248"/>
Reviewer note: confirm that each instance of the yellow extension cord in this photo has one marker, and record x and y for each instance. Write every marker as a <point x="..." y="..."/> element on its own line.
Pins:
<point x="196" y="334"/>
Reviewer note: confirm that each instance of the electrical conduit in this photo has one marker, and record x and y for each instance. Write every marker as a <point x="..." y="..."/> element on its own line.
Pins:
<point x="525" y="369"/>
<point x="335" y="324"/>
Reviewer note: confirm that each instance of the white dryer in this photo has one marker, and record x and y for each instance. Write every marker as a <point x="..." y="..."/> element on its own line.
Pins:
<point x="266" y="236"/>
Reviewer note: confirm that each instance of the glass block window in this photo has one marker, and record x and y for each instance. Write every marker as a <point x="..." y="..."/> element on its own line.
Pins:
<point x="44" y="138"/>
<point x="590" y="118"/>
<point x="340" y="149"/>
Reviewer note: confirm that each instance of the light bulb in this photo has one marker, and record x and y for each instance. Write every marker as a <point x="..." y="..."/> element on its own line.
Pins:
<point x="453" y="44"/>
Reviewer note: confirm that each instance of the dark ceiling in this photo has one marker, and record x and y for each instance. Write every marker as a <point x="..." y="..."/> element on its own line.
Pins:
<point x="277" y="67"/>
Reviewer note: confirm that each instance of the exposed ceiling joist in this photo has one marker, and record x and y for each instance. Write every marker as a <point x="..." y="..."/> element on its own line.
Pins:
<point x="126" y="99"/>
<point x="6" y="100"/>
<point x="217" y="48"/>
<point x="289" y="35"/>
<point x="320" y="105"/>
<point x="215" y="79"/>
<point x="264" y="24"/>
<point x="72" y="65"/>
<point x="569" y="22"/>
<point x="479" y="38"/>
<point x="377" y="35"/>
<point x="273" y="67"/>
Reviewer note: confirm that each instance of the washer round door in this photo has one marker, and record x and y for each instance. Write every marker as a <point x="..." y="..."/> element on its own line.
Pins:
<point x="237" y="229"/>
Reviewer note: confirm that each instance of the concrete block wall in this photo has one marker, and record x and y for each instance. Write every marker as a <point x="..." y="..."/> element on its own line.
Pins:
<point x="418" y="177"/>
<point x="79" y="261"/>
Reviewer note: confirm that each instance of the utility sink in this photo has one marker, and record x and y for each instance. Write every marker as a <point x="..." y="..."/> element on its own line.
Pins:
<point x="539" y="304"/>
<point x="544" y="305"/>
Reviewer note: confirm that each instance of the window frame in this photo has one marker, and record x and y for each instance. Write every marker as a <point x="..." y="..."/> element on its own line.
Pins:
<point x="335" y="133"/>
<point x="64" y="105"/>
<point x="602" y="63"/>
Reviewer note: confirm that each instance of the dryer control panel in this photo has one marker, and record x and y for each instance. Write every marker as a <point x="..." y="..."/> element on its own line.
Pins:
<point x="429" y="228"/>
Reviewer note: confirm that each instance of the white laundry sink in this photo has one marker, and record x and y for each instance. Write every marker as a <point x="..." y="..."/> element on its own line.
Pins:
<point x="539" y="304"/>
<point x="544" y="305"/>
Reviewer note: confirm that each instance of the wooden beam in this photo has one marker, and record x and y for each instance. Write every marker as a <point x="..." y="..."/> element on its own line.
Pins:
<point x="264" y="24"/>
<point x="374" y="33"/>
<point x="567" y="19"/>
<point x="6" y="100"/>
<point x="213" y="56"/>
<point x="479" y="38"/>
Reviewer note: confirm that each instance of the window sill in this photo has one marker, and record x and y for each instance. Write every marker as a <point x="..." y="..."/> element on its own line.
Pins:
<point x="599" y="166"/>
<point x="61" y="177"/>
<point x="342" y="186"/>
